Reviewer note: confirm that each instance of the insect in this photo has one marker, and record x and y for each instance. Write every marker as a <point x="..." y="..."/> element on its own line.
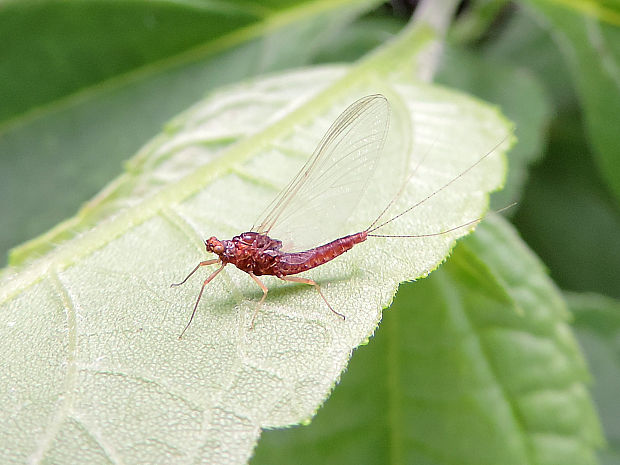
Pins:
<point x="314" y="205"/>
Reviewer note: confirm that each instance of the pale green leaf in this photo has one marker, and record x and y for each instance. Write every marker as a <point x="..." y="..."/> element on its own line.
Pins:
<point x="93" y="370"/>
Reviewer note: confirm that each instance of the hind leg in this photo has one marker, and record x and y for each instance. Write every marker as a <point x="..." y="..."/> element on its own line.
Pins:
<point x="296" y="279"/>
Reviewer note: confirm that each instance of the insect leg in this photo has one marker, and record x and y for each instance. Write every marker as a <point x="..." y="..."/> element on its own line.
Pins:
<point x="205" y="263"/>
<point x="295" y="279"/>
<point x="213" y="275"/>
<point x="265" y="290"/>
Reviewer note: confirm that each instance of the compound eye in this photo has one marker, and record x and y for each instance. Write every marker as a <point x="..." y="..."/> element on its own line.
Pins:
<point x="218" y="249"/>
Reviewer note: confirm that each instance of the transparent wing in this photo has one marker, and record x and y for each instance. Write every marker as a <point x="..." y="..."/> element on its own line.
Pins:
<point x="314" y="206"/>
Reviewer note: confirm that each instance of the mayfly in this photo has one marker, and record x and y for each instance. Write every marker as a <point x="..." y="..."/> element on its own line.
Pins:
<point x="314" y="206"/>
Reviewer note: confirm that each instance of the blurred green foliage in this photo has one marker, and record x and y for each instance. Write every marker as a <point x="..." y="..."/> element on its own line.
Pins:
<point x="84" y="85"/>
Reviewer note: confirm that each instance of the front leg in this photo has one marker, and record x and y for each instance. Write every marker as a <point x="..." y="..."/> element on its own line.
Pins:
<point x="207" y="281"/>
<point x="205" y="263"/>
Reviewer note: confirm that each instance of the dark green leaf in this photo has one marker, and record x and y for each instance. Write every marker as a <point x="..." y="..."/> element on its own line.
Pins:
<point x="518" y="93"/>
<point x="597" y="323"/>
<point x="85" y="84"/>
<point x="474" y="365"/>
<point x="588" y="34"/>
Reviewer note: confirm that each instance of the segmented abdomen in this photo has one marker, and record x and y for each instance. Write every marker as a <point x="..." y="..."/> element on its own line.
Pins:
<point x="293" y="263"/>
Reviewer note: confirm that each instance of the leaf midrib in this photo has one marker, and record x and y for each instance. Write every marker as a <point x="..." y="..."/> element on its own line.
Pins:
<point x="68" y="253"/>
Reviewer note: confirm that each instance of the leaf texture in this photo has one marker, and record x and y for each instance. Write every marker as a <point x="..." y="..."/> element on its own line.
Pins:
<point x="93" y="367"/>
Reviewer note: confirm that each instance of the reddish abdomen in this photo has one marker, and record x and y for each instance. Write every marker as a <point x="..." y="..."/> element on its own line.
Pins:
<point x="293" y="263"/>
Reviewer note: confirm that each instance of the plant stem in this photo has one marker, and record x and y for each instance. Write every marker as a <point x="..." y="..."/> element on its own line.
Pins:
<point x="438" y="15"/>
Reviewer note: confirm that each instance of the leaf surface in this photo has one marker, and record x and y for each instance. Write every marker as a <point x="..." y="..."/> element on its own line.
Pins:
<point x="95" y="369"/>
